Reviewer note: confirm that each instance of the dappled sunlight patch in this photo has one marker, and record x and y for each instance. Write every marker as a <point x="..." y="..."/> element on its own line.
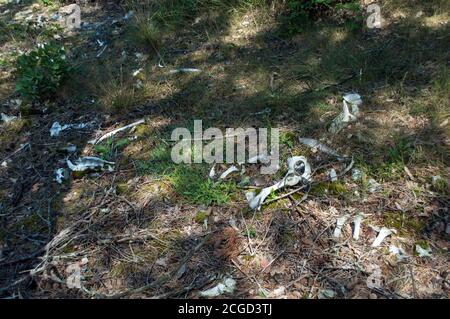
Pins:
<point x="73" y="202"/>
<point x="148" y="135"/>
<point x="156" y="90"/>
<point x="188" y="182"/>
<point x="120" y="98"/>
<point x="246" y="25"/>
<point x="293" y="88"/>
<point x="137" y="150"/>
<point x="10" y="132"/>
<point x="339" y="36"/>
<point x="194" y="186"/>
<point x="244" y="85"/>
<point x="436" y="21"/>
<point x="397" y="120"/>
<point x="6" y="83"/>
<point x="136" y="223"/>
<point x="148" y="192"/>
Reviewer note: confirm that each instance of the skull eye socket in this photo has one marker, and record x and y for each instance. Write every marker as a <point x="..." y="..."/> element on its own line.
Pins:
<point x="299" y="167"/>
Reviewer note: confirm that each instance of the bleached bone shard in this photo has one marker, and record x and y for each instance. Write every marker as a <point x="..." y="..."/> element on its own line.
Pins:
<point x="339" y="224"/>
<point x="299" y="171"/>
<point x="262" y="158"/>
<point x="185" y="70"/>
<point x="114" y="132"/>
<point x="250" y="195"/>
<point x="333" y="175"/>
<point x="355" y="101"/>
<point x="226" y="286"/>
<point x="326" y="294"/>
<point x="101" y="51"/>
<point x="356" y="174"/>
<point x="357" y="226"/>
<point x="70" y="148"/>
<point x="212" y="172"/>
<point x="89" y="163"/>
<point x="315" y="144"/>
<point x="384" y="232"/>
<point x="422" y="252"/>
<point x="345" y="116"/>
<point x="398" y="252"/>
<point x="256" y="201"/>
<point x="372" y="185"/>
<point x="59" y="175"/>
<point x="228" y="172"/>
<point x="58" y="128"/>
<point x="136" y="72"/>
<point x="8" y="118"/>
<point x="278" y="292"/>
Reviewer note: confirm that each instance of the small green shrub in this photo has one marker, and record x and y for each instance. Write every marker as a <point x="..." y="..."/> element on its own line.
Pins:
<point x="400" y="152"/>
<point x="41" y="72"/>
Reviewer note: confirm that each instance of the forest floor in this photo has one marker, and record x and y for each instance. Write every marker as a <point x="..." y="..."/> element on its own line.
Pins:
<point x="151" y="228"/>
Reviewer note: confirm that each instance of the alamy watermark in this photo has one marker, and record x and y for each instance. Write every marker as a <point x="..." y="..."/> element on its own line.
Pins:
<point x="71" y="16"/>
<point x="235" y="145"/>
<point x="374" y="20"/>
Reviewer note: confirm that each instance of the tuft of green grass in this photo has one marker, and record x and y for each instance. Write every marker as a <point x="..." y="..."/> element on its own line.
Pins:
<point x="145" y="32"/>
<point x="193" y="184"/>
<point x="404" y="222"/>
<point x="388" y="163"/>
<point x="153" y="18"/>
<point x="201" y="216"/>
<point x="109" y="149"/>
<point x="158" y="164"/>
<point x="441" y="186"/>
<point x="189" y="181"/>
<point x="250" y="233"/>
<point x="400" y="152"/>
<point x="121" y="188"/>
<point x="287" y="139"/>
<point x="119" y="97"/>
<point x="332" y="188"/>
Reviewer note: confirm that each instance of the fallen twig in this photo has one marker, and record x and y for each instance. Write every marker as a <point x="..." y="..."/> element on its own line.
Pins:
<point x="22" y="147"/>
<point x="162" y="279"/>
